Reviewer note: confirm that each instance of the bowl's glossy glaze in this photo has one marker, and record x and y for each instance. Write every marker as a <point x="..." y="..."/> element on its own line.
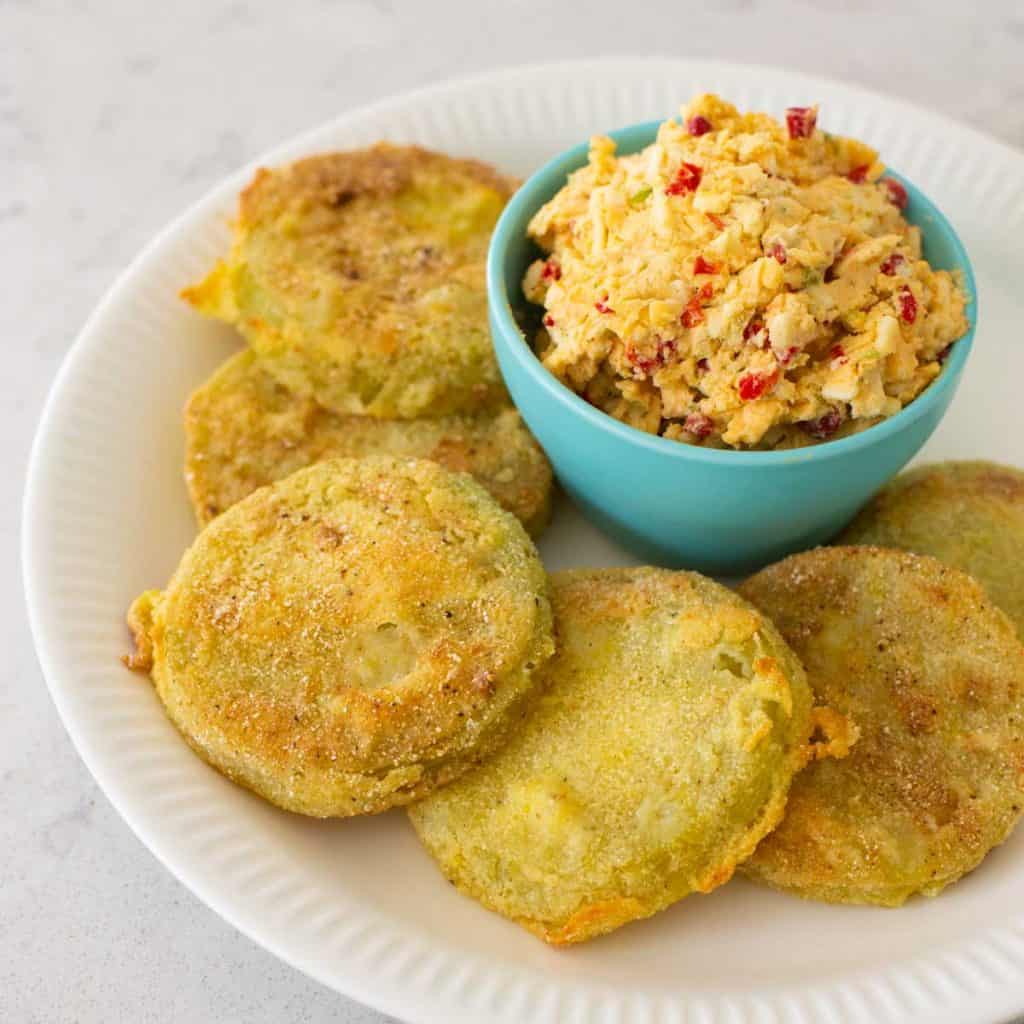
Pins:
<point x="724" y="512"/>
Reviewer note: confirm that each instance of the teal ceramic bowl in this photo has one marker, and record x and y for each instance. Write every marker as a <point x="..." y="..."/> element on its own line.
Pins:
<point x="723" y="512"/>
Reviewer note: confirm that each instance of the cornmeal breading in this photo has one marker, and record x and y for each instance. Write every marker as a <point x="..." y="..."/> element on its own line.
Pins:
<point x="672" y="722"/>
<point x="243" y="430"/>
<point x="932" y="675"/>
<point x="967" y="514"/>
<point x="351" y="637"/>
<point x="358" y="277"/>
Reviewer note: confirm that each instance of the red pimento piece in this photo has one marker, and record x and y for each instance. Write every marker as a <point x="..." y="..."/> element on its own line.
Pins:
<point x="823" y="427"/>
<point x="859" y="174"/>
<point x="908" y="305"/>
<point x="785" y="358"/>
<point x="643" y="363"/>
<point x="754" y="385"/>
<point x="838" y="352"/>
<point x="703" y="266"/>
<point x="891" y="264"/>
<point x="602" y="306"/>
<point x="698" y="424"/>
<point x="800" y="122"/>
<point x="549" y="321"/>
<point x="702" y="365"/>
<point x="778" y="251"/>
<point x="692" y="314"/>
<point x="687" y="179"/>
<point x="716" y="220"/>
<point x="698" y="125"/>
<point x="648" y="363"/>
<point x="552" y="271"/>
<point x="755" y="326"/>
<point x="897" y="193"/>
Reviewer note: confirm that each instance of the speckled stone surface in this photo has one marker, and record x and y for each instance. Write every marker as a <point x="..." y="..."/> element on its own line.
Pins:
<point x="113" y="117"/>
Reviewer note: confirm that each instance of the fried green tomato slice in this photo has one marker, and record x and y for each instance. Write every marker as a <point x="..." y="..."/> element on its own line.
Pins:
<point x="932" y="674"/>
<point x="969" y="515"/>
<point x="673" y="719"/>
<point x="243" y="431"/>
<point x="351" y="637"/>
<point x="359" y="279"/>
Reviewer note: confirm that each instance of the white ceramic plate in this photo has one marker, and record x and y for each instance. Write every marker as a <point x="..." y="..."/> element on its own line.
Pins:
<point x="357" y="904"/>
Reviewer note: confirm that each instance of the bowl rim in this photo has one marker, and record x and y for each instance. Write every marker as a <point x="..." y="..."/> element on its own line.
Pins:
<point x="536" y="190"/>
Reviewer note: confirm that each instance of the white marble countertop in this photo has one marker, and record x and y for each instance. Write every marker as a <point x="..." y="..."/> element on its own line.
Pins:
<point x="116" y="115"/>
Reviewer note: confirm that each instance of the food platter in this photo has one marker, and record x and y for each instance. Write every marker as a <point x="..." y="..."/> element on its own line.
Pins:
<point x="357" y="904"/>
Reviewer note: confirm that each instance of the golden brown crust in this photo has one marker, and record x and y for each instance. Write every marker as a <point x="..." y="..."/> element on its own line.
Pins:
<point x="243" y="431"/>
<point x="140" y="624"/>
<point x="589" y="921"/>
<point x="333" y="180"/>
<point x="353" y="636"/>
<point x="359" y="279"/>
<point x="672" y="721"/>
<point x="933" y="676"/>
<point x="969" y="515"/>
